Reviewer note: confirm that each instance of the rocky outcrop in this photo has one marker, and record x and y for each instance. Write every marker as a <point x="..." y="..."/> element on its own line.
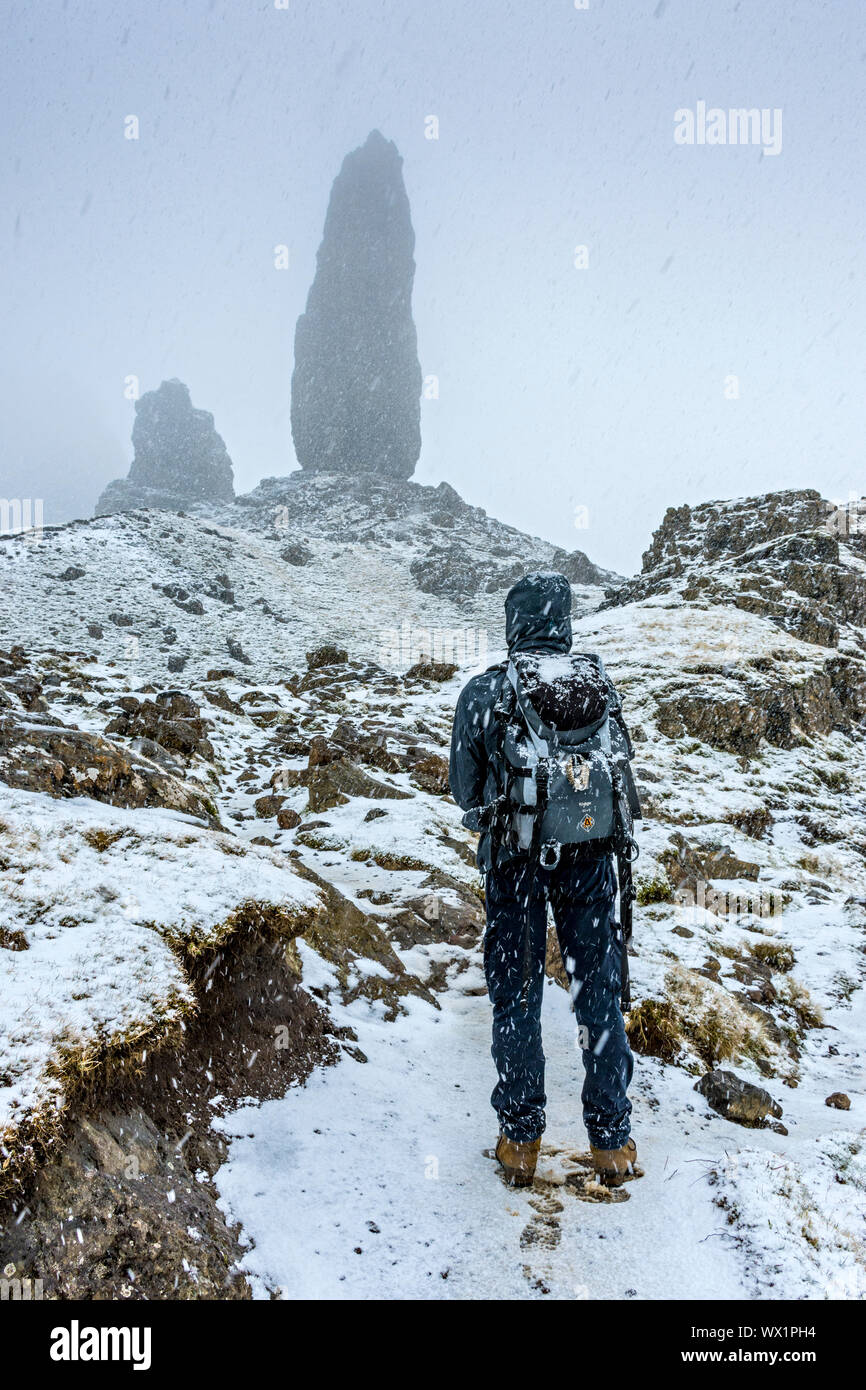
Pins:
<point x="43" y="755"/>
<point x="450" y="548"/>
<point x="456" y="571"/>
<point x="452" y="571"/>
<point x="180" y="460"/>
<point x="736" y="710"/>
<point x="356" y="385"/>
<point x="173" y="721"/>
<point x="579" y="569"/>
<point x="716" y="529"/>
<point x="778" y="556"/>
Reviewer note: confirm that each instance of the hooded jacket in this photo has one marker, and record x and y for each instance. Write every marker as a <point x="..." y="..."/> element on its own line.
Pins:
<point x="537" y="619"/>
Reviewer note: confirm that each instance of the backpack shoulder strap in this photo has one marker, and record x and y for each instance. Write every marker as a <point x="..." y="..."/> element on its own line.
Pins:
<point x="538" y="732"/>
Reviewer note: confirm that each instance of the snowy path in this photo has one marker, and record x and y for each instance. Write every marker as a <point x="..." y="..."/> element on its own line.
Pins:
<point x="371" y="1182"/>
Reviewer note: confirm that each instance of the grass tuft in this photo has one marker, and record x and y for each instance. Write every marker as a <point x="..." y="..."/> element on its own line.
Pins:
<point x="657" y="889"/>
<point x="777" y="954"/>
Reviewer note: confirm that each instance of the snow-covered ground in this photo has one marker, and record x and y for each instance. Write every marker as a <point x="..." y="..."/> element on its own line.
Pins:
<point x="371" y="1179"/>
<point x="387" y="1192"/>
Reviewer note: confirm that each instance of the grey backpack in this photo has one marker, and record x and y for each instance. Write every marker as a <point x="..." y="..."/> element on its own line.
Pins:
<point x="567" y="778"/>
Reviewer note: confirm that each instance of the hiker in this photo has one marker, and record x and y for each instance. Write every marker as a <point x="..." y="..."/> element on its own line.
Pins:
<point x="540" y="766"/>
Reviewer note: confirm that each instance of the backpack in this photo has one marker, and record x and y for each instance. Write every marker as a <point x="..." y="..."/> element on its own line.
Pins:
<point x="564" y="761"/>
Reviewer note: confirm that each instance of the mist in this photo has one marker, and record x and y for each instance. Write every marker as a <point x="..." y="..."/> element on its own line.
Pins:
<point x="616" y="321"/>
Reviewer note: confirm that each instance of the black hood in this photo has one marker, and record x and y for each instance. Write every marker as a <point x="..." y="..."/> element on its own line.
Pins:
<point x="538" y="613"/>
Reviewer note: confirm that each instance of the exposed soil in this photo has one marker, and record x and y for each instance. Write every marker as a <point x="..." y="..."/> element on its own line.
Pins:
<point x="128" y="1208"/>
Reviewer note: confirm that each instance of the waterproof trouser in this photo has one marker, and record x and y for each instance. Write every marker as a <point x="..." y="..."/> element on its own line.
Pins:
<point x="582" y="894"/>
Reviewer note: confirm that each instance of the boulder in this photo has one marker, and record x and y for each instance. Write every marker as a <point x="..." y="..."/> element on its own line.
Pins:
<point x="579" y="569"/>
<point x="328" y="655"/>
<point x="738" y="1100"/>
<point x="173" y="720"/>
<point x="333" y="782"/>
<point x="686" y="864"/>
<point x="838" y="1101"/>
<point x="431" y="774"/>
<point x="431" y="671"/>
<point x="296" y="554"/>
<point x="455" y="918"/>
<point x="236" y="651"/>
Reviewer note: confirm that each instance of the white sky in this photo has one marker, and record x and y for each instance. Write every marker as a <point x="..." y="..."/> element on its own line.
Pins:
<point x="559" y="388"/>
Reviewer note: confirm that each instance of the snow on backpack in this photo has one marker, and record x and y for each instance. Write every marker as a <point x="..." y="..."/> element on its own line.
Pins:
<point x="565" y="763"/>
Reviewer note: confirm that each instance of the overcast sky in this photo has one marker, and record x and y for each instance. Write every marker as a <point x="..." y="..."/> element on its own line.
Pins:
<point x="608" y="387"/>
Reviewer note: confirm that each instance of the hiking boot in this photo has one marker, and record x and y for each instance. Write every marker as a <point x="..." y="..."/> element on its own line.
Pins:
<point x="518" y="1160"/>
<point x="613" y="1167"/>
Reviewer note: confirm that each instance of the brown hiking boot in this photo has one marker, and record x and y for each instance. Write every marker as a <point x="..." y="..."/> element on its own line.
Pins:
<point x="518" y="1160"/>
<point x="616" y="1166"/>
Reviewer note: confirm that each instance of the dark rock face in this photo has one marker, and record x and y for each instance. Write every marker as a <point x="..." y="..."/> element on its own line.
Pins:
<point x="714" y="529"/>
<point x="578" y="568"/>
<point x="735" y="713"/>
<point x="179" y="457"/>
<point x="452" y="571"/>
<point x="780" y="558"/>
<point x="356" y="386"/>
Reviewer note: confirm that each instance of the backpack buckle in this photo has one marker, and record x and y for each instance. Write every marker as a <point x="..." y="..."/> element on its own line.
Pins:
<point x="548" y="856"/>
<point x="577" y="771"/>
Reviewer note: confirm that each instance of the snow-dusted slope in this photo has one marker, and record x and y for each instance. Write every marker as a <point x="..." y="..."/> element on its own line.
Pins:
<point x="371" y="1179"/>
<point x="393" y="1150"/>
<point x="94" y="901"/>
